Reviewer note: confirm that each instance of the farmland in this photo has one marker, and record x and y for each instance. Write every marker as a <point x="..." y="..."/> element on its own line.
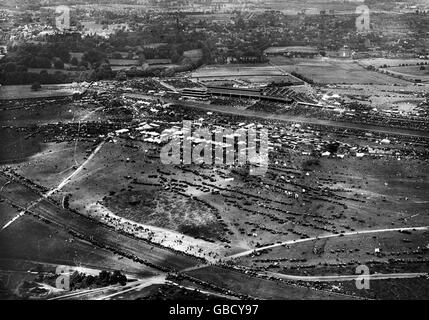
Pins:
<point x="321" y="70"/>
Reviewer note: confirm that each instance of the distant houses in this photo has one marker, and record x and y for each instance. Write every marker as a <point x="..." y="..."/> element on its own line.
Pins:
<point x="293" y="51"/>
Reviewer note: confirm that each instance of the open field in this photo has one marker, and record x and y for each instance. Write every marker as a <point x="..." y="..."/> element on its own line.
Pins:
<point x="113" y="186"/>
<point x="382" y="253"/>
<point x="21" y="140"/>
<point x="35" y="241"/>
<point x="330" y="71"/>
<point x="391" y="289"/>
<point x="382" y="97"/>
<point x="7" y="212"/>
<point x="87" y="229"/>
<point x="248" y="73"/>
<point x="379" y="62"/>
<point x="53" y="71"/>
<point x="412" y="72"/>
<point x="262" y="288"/>
<point x="193" y="55"/>
<point x="18" y="145"/>
<point x="123" y="62"/>
<point x="43" y="113"/>
<point x="57" y="160"/>
<point x="24" y="91"/>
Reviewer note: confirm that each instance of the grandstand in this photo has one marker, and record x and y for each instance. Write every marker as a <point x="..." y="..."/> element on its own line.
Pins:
<point x="195" y="93"/>
<point x="274" y="94"/>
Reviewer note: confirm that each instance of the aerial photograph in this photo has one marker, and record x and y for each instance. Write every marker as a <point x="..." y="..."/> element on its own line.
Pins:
<point x="214" y="150"/>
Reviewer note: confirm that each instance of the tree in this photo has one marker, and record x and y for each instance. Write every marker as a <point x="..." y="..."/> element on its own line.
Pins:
<point x="10" y="67"/>
<point x="59" y="50"/>
<point x="104" y="71"/>
<point x="174" y="55"/>
<point x="36" y="86"/>
<point x="333" y="147"/>
<point x="40" y="62"/>
<point x="74" y="61"/>
<point x="169" y="72"/>
<point x="118" y="277"/>
<point x="116" y="55"/>
<point x="21" y="68"/>
<point x="104" y="278"/>
<point x="58" y="63"/>
<point x="142" y="59"/>
<point x="93" y="56"/>
<point x="121" y="76"/>
<point x="83" y="64"/>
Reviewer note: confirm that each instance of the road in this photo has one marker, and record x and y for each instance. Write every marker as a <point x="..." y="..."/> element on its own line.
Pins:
<point x="353" y="277"/>
<point x="59" y="187"/>
<point x="84" y="293"/>
<point x="140" y="285"/>
<point x="322" y="278"/>
<point x="115" y="291"/>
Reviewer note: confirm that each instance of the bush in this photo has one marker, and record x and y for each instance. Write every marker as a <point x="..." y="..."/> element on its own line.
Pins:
<point x="36" y="86"/>
<point x="58" y="63"/>
<point x="121" y="76"/>
<point x="116" y="55"/>
<point x="93" y="56"/>
<point x="104" y="279"/>
<point x="74" y="61"/>
<point x="10" y="67"/>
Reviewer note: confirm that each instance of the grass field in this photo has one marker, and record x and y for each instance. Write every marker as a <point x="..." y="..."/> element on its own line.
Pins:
<point x="32" y="240"/>
<point x="105" y="190"/>
<point x="251" y="73"/>
<point x="123" y="62"/>
<point x="89" y="230"/>
<point x="261" y="288"/>
<point x="24" y="91"/>
<point x="7" y="212"/>
<point x="194" y="55"/>
<point x="391" y="289"/>
<point x="53" y="71"/>
<point x="379" y="62"/>
<point x="341" y="255"/>
<point x="412" y="72"/>
<point x="333" y="71"/>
